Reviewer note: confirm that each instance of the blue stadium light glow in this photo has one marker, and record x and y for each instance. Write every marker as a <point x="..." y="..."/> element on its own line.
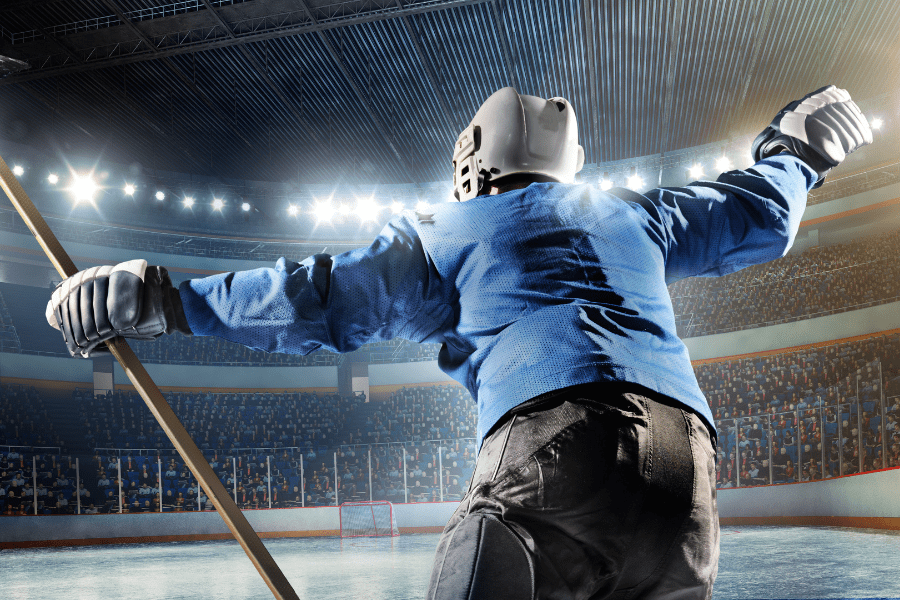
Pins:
<point x="723" y="163"/>
<point x="18" y="171"/>
<point x="245" y="206"/>
<point x="293" y="210"/>
<point x="218" y="203"/>
<point x="188" y="202"/>
<point x="128" y="189"/>
<point x="635" y="182"/>
<point x="367" y="209"/>
<point x="160" y="195"/>
<point x="876" y="123"/>
<point x="83" y="188"/>
<point x="422" y="206"/>
<point x="696" y="171"/>
<point x="323" y="211"/>
<point x="396" y="208"/>
<point x="53" y="178"/>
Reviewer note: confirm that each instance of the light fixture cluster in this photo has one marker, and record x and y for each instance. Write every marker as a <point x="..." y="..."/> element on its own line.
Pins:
<point x="84" y="188"/>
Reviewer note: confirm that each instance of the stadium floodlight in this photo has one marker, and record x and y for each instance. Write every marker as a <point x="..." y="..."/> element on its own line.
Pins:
<point x="605" y="184"/>
<point x="696" y="171"/>
<point x="128" y="189"/>
<point x="422" y="206"/>
<point x="367" y="209"/>
<point x="396" y="208"/>
<point x="188" y="202"/>
<point x="293" y="210"/>
<point x="217" y="204"/>
<point x="83" y="188"/>
<point x="53" y="178"/>
<point x="18" y="171"/>
<point x="635" y="182"/>
<point x="723" y="163"/>
<point x="160" y="195"/>
<point x="245" y="206"/>
<point x="323" y="211"/>
<point x="875" y="124"/>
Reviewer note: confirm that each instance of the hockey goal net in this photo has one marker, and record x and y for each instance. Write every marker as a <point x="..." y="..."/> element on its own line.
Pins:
<point x="367" y="519"/>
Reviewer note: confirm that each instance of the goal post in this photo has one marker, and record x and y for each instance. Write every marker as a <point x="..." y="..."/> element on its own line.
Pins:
<point x="360" y="519"/>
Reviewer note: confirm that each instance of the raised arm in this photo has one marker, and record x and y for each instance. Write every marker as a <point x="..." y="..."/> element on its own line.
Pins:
<point x="334" y="302"/>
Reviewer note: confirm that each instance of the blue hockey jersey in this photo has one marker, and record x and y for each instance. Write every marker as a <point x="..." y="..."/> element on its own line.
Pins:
<point x="528" y="291"/>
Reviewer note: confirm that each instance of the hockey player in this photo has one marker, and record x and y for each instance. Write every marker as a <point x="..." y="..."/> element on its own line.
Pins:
<point x="596" y="471"/>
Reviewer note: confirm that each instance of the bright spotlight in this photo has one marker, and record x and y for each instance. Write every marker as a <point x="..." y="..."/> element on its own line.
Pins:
<point x="323" y="211"/>
<point x="422" y="206"/>
<point x="696" y="171"/>
<point x="635" y="182"/>
<point x="217" y="204"/>
<point x="875" y="124"/>
<point x="293" y="210"/>
<point x="18" y="171"/>
<point x="83" y="188"/>
<point x="723" y="163"/>
<point x="128" y="189"/>
<point x="160" y="195"/>
<point x="245" y="207"/>
<point x="188" y="202"/>
<point x="605" y="184"/>
<point x="396" y="208"/>
<point x="367" y="210"/>
<point x="53" y="178"/>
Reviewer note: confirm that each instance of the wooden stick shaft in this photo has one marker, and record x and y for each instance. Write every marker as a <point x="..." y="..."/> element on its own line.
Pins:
<point x="157" y="404"/>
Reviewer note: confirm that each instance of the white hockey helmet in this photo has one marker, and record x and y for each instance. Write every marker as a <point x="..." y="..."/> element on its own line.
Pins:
<point x="514" y="134"/>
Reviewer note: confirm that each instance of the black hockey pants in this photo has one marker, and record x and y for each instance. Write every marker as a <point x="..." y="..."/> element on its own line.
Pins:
<point x="594" y="491"/>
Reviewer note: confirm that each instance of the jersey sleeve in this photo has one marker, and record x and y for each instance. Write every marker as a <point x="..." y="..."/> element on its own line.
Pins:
<point x="386" y="290"/>
<point x="743" y="218"/>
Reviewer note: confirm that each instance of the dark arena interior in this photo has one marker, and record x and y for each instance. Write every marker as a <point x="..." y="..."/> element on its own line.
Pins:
<point x="222" y="136"/>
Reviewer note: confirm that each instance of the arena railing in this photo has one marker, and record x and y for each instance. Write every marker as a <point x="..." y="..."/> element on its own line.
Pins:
<point x="845" y="445"/>
<point x="258" y="477"/>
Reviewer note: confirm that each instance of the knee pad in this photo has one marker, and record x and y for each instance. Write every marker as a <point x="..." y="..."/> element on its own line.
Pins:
<point x="484" y="559"/>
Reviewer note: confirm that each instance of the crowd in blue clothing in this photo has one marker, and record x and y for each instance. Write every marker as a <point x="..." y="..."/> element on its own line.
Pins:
<point x="218" y="421"/>
<point x="826" y="411"/>
<point x="422" y="413"/>
<point x="816" y="413"/>
<point x="23" y="418"/>
<point x="41" y="483"/>
<point x="816" y="282"/>
<point x="819" y="281"/>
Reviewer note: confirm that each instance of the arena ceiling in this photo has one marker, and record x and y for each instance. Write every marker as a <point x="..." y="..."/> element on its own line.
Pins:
<point x="377" y="90"/>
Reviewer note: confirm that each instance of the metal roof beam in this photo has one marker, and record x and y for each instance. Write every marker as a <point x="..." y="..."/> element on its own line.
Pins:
<point x="137" y="110"/>
<point x="504" y="47"/>
<point x="429" y="73"/>
<point x="264" y="74"/>
<point x="358" y="93"/>
<point x="168" y="63"/>
<point x="191" y="32"/>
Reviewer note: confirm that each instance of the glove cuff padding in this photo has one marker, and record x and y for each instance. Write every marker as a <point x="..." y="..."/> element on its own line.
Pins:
<point x="820" y="129"/>
<point x="164" y="313"/>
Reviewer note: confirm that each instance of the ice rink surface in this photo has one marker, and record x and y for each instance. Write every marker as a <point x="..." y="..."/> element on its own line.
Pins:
<point x="755" y="563"/>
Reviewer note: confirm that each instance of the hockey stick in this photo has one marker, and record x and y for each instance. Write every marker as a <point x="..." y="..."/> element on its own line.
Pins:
<point x="167" y="419"/>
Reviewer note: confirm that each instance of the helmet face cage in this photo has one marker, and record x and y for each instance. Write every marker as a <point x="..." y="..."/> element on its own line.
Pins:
<point x="513" y="134"/>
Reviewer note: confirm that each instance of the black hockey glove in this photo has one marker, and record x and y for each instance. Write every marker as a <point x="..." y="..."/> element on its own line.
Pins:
<point x="130" y="299"/>
<point x="820" y="129"/>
